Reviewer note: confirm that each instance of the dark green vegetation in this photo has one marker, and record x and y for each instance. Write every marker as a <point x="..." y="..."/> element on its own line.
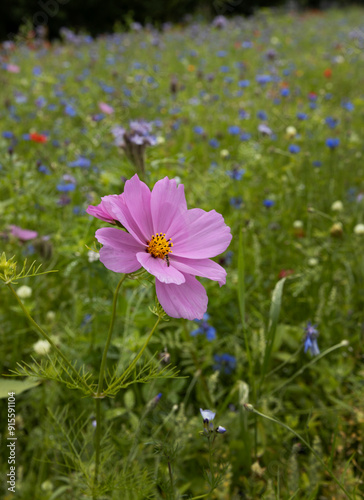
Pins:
<point x="278" y="189"/>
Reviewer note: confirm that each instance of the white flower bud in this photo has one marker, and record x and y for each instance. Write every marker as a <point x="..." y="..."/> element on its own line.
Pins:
<point x="42" y="347"/>
<point x="298" y="224"/>
<point x="359" y="229"/>
<point x="337" y="206"/>
<point x="291" y="131"/>
<point x="24" y="292"/>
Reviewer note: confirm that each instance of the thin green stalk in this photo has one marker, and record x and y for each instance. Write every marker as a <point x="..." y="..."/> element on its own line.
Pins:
<point x="135" y="360"/>
<point x="98" y="396"/>
<point x="97" y="445"/>
<point x="47" y="337"/>
<point x="343" y="343"/>
<point x="108" y="340"/>
<point x="306" y="443"/>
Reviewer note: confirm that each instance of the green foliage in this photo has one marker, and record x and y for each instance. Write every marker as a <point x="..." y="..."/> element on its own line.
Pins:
<point x="287" y="267"/>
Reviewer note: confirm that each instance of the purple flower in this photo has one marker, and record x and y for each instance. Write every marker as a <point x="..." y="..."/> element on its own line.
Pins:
<point x="172" y="243"/>
<point x="80" y="162"/>
<point x="310" y="340"/>
<point x="225" y="363"/>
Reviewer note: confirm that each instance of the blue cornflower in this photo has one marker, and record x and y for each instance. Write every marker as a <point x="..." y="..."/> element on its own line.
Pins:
<point x="236" y="201"/>
<point x="262" y="115"/>
<point x="285" y="92"/>
<point x="317" y="163"/>
<point x="244" y="115"/>
<point x="198" y="130"/>
<point x="263" y="79"/>
<point x="44" y="170"/>
<point x="332" y="143"/>
<point x="214" y="143"/>
<point x="70" y="110"/>
<point x="331" y="122"/>
<point x="236" y="173"/>
<point x="225" y="363"/>
<point x="244" y="83"/>
<point x="302" y="116"/>
<point x="247" y="44"/>
<point x="204" y="328"/>
<point x="66" y="188"/>
<point x="245" y="136"/>
<point x="80" y="162"/>
<point x="349" y="106"/>
<point x="234" y="130"/>
<point x="310" y="340"/>
<point x="225" y="69"/>
<point x="268" y="203"/>
<point x="8" y="134"/>
<point x="294" y="149"/>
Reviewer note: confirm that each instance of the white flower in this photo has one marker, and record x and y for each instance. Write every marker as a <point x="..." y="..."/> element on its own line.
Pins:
<point x="178" y="180"/>
<point x="93" y="256"/>
<point x="337" y="206"/>
<point x="51" y="315"/>
<point x="207" y="415"/>
<point x="359" y="229"/>
<point x="298" y="224"/>
<point x="24" y="292"/>
<point x="224" y="153"/>
<point x="313" y="261"/>
<point x="221" y="429"/>
<point x="42" y="347"/>
<point x="160" y="139"/>
<point x="291" y="131"/>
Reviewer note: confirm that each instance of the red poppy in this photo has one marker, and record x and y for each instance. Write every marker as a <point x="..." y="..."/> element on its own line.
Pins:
<point x="285" y="272"/>
<point x="328" y="73"/>
<point x="34" y="136"/>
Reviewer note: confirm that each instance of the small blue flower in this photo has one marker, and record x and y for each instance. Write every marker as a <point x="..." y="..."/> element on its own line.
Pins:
<point x="262" y="115"/>
<point x="80" y="162"/>
<point x="244" y="83"/>
<point x="331" y="122"/>
<point x="234" y="130"/>
<point x="268" y="203"/>
<point x="347" y="105"/>
<point x="310" y="340"/>
<point x="263" y="79"/>
<point x="302" y="116"/>
<point x="317" y="163"/>
<point x="245" y="136"/>
<point x="7" y="134"/>
<point x="198" y="130"/>
<point x="214" y="143"/>
<point x="332" y="143"/>
<point x="236" y="173"/>
<point x="70" y="110"/>
<point x="66" y="188"/>
<point x="204" y="328"/>
<point x="236" y="201"/>
<point x="285" y="92"/>
<point x="294" y="149"/>
<point x="225" y="363"/>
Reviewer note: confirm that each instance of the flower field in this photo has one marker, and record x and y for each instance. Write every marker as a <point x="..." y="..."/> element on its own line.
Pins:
<point x="195" y="198"/>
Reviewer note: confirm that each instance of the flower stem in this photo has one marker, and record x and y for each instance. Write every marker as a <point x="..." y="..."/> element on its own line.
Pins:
<point x="135" y="360"/>
<point x="327" y="468"/>
<point x="97" y="445"/>
<point x="98" y="396"/>
<point x="108" y="340"/>
<point x="47" y="337"/>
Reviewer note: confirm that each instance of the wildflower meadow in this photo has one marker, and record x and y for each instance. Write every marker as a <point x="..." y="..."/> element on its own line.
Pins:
<point x="181" y="263"/>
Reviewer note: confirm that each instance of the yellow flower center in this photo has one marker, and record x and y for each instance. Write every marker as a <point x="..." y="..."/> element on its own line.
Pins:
<point x="159" y="246"/>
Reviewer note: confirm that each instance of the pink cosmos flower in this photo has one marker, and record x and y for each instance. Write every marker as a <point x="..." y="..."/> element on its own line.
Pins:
<point x="172" y="243"/>
<point x="22" y="234"/>
<point x="106" y="108"/>
<point x="12" y="68"/>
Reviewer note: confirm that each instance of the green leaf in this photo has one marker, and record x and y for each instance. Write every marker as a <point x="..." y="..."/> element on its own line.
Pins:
<point x="18" y="386"/>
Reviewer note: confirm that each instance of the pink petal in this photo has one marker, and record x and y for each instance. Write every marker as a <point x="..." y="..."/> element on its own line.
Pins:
<point x="188" y="300"/>
<point x="200" y="235"/>
<point x="106" y="108"/>
<point x="167" y="203"/>
<point x="119" y="251"/>
<point x="22" y="234"/>
<point x="137" y="198"/>
<point x="205" y="268"/>
<point x="103" y="210"/>
<point x="160" y="269"/>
